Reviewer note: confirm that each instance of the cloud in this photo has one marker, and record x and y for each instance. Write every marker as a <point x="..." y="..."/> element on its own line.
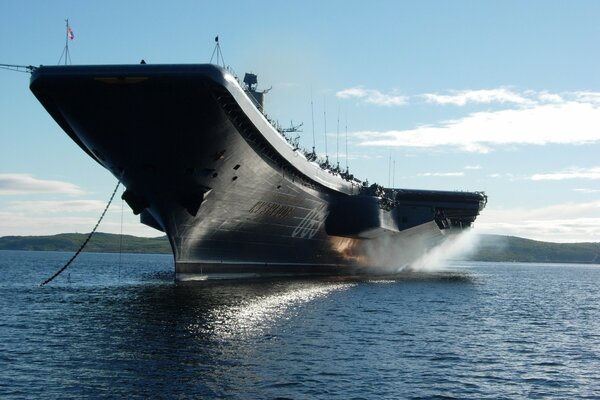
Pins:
<point x="587" y="191"/>
<point x="507" y="96"/>
<point x="508" y="175"/>
<point x="502" y="95"/>
<point x="588" y="97"/>
<point x="17" y="184"/>
<point x="473" y="167"/>
<point x="555" y="123"/>
<point x="58" y="206"/>
<point x="571" y="173"/>
<point x="549" y="97"/>
<point x="26" y="224"/>
<point x="442" y="174"/>
<point x="568" y="222"/>
<point x="372" y="96"/>
<point x="556" y="230"/>
<point x="482" y="96"/>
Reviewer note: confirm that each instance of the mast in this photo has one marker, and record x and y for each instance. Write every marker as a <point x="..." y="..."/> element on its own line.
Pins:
<point x="337" y="141"/>
<point x="394" y="173"/>
<point x="312" y="116"/>
<point x="65" y="53"/>
<point x="347" y="169"/>
<point x="390" y="170"/>
<point x="325" y="129"/>
<point x="218" y="52"/>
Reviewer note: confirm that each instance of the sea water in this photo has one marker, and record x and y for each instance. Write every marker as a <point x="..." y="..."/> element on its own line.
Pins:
<point x="119" y="327"/>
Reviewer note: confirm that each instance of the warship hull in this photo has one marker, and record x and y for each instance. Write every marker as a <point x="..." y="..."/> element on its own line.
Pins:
<point x="203" y="164"/>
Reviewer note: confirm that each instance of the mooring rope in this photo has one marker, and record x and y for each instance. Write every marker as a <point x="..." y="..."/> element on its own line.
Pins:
<point x="86" y="240"/>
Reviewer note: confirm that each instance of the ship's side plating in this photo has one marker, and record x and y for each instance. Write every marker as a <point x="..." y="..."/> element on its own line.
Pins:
<point x="204" y="165"/>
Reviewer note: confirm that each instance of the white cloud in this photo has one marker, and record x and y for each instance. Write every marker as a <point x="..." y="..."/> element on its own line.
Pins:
<point x="569" y="222"/>
<point x="588" y="97"/>
<point x="587" y="191"/>
<point x="563" y="123"/>
<point x="57" y="206"/>
<point x="50" y="217"/>
<point x="473" y="167"/>
<point x="442" y="174"/>
<point x="373" y="96"/>
<point x="549" y="97"/>
<point x="25" y="224"/>
<point x="507" y="96"/>
<point x="16" y="184"/>
<point x="481" y="96"/>
<point x="508" y="175"/>
<point x="571" y="173"/>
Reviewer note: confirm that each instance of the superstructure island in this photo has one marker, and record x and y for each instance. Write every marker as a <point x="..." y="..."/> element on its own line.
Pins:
<point x="202" y="163"/>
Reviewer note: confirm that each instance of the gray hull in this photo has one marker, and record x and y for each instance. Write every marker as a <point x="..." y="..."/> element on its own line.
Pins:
<point x="201" y="163"/>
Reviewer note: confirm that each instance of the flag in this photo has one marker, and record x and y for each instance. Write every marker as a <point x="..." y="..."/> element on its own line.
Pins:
<point x="70" y="33"/>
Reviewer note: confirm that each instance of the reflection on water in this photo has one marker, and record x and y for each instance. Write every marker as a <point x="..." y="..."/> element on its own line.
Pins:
<point x="255" y="316"/>
<point x="477" y="331"/>
<point x="232" y="310"/>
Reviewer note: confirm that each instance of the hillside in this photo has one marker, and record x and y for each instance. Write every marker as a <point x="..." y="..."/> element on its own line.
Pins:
<point x="100" y="242"/>
<point x="491" y="247"/>
<point x="511" y="248"/>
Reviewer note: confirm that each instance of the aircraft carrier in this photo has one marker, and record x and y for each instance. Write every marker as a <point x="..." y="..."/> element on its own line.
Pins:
<point x="202" y="162"/>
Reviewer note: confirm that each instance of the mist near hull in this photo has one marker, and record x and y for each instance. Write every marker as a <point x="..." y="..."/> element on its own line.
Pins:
<point x="456" y="246"/>
<point x="418" y="253"/>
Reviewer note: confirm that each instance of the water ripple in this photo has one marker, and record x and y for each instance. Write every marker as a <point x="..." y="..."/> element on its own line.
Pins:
<point x="480" y="330"/>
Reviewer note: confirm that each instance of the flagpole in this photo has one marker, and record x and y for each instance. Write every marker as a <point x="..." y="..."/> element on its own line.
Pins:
<point x="67" y="41"/>
<point x="65" y="52"/>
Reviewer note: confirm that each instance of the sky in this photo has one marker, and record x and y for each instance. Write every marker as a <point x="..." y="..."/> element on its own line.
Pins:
<point x="495" y="96"/>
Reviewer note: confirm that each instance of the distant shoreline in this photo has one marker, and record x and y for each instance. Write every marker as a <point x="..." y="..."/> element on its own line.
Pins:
<point x="99" y="243"/>
<point x="494" y="248"/>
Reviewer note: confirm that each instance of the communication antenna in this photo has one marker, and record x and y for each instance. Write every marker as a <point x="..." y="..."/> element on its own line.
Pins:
<point x="65" y="53"/>
<point x="312" y="115"/>
<point x="217" y="51"/>
<point x="325" y="129"/>
<point x="347" y="142"/>
<point x="394" y="173"/>
<point x="390" y="169"/>
<point x="337" y="140"/>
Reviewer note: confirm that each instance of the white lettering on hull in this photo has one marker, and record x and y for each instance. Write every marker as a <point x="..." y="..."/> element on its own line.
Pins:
<point x="311" y="223"/>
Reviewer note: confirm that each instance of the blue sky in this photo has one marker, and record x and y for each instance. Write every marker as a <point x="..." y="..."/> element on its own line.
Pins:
<point x="496" y="96"/>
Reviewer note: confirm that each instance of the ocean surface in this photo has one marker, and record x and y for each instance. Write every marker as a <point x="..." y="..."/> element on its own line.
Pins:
<point x="119" y="327"/>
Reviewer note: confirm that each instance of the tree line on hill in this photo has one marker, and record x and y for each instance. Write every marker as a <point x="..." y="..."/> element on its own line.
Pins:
<point x="496" y="248"/>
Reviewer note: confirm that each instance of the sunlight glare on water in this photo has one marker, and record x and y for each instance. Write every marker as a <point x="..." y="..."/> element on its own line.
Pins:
<point x="255" y="316"/>
<point x="472" y="330"/>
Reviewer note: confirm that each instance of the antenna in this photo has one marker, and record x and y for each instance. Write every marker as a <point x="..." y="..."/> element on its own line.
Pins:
<point x="347" y="141"/>
<point x="325" y="129"/>
<point x="217" y="51"/>
<point x="394" y="173"/>
<point x="312" y="115"/>
<point x="390" y="169"/>
<point x="69" y="36"/>
<point x="337" y="140"/>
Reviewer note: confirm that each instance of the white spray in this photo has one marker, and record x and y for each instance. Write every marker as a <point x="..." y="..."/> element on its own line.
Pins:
<point x="457" y="246"/>
<point x="390" y="255"/>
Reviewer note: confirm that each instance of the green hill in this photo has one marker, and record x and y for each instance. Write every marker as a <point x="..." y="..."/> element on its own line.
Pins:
<point x="100" y="242"/>
<point x="511" y="248"/>
<point x="490" y="248"/>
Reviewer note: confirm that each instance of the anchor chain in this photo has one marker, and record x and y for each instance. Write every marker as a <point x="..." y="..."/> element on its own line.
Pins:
<point x="86" y="240"/>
